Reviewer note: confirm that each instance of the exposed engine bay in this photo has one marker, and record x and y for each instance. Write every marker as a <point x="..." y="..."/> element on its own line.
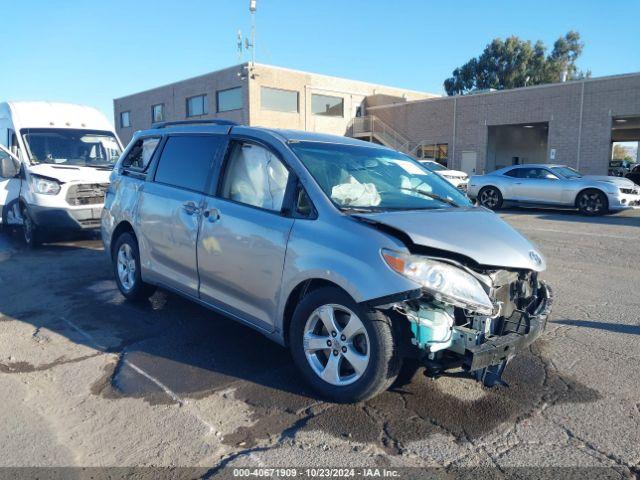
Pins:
<point x="445" y="337"/>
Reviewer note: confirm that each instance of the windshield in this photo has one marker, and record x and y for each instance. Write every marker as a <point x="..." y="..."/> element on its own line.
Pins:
<point x="374" y="179"/>
<point x="433" y="166"/>
<point x="64" y="146"/>
<point x="566" y="172"/>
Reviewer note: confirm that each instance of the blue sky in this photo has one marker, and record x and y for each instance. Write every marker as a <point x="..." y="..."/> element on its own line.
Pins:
<point x="90" y="52"/>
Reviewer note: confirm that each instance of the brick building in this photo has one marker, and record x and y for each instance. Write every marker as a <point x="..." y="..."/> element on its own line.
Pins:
<point x="261" y="95"/>
<point x="574" y="123"/>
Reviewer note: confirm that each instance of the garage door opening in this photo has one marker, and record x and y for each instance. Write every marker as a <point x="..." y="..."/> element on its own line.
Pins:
<point x="625" y="136"/>
<point x="516" y="144"/>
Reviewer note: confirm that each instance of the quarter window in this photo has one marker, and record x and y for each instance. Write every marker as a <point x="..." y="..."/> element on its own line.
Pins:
<point x="254" y="176"/>
<point x="327" y="105"/>
<point x="125" y="120"/>
<point x="197" y="105"/>
<point x="186" y="161"/>
<point x="140" y="154"/>
<point x="229" y="99"/>
<point x="157" y="113"/>
<point x="278" y="100"/>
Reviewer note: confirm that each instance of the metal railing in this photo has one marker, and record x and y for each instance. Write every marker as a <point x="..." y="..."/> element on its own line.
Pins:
<point x="373" y="127"/>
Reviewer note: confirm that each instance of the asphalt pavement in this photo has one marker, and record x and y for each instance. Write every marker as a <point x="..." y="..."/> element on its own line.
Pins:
<point x="88" y="379"/>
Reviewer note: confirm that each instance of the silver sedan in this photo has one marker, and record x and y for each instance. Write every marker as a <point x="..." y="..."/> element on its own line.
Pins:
<point x="554" y="185"/>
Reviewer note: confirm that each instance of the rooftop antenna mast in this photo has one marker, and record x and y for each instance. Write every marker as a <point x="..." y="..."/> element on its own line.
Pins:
<point x="252" y="44"/>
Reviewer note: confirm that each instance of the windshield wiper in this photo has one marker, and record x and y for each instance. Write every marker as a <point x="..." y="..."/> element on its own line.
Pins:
<point x="432" y="196"/>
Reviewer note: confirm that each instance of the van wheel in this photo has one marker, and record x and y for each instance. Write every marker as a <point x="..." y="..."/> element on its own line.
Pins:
<point x="30" y="232"/>
<point x="126" y="264"/>
<point x="490" y="197"/>
<point x="346" y="352"/>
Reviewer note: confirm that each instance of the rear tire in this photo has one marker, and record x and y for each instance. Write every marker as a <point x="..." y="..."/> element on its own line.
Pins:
<point x="490" y="197"/>
<point x="126" y="267"/>
<point x="352" y="361"/>
<point x="592" y="202"/>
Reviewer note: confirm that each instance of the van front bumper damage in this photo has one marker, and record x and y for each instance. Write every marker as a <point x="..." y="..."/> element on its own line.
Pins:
<point x="71" y="219"/>
<point x="446" y="339"/>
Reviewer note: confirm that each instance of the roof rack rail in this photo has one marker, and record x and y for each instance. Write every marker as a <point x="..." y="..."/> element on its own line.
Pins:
<point x="213" y="121"/>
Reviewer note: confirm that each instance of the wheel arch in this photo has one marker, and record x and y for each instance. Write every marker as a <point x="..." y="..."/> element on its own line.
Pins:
<point x="122" y="227"/>
<point x="297" y="294"/>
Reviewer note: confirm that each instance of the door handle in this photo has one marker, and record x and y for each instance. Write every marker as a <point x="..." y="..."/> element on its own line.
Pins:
<point x="190" y="208"/>
<point x="213" y="215"/>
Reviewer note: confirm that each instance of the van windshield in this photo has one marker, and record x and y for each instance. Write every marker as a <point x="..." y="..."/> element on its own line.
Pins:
<point x="375" y="179"/>
<point x="65" y="146"/>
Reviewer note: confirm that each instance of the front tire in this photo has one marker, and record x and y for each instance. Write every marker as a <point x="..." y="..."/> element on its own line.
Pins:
<point x="490" y="197"/>
<point x="346" y="352"/>
<point x="126" y="266"/>
<point x="30" y="231"/>
<point x="592" y="202"/>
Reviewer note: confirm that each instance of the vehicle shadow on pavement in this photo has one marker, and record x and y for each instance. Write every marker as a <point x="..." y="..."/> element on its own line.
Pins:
<point x="197" y="354"/>
<point x="611" y="327"/>
<point x="629" y="218"/>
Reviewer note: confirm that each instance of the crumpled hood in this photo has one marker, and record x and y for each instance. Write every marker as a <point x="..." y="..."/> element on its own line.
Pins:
<point x="476" y="233"/>
<point x="71" y="174"/>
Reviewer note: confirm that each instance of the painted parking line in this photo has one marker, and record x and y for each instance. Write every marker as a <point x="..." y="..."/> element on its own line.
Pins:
<point x="570" y="232"/>
<point x="173" y="395"/>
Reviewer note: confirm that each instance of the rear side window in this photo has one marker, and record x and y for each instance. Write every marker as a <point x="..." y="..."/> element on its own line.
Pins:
<point x="515" y="172"/>
<point x="186" y="161"/>
<point x="140" y="154"/>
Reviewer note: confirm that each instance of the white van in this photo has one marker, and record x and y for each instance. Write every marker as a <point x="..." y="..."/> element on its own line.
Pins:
<point x="56" y="159"/>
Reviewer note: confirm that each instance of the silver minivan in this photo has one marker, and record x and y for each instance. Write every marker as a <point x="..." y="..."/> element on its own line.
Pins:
<point x="353" y="255"/>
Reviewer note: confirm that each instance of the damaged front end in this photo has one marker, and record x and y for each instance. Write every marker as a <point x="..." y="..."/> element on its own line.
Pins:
<point x="454" y="326"/>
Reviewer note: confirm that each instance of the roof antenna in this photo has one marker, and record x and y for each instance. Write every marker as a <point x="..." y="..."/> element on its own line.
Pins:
<point x="239" y="45"/>
<point x="252" y="44"/>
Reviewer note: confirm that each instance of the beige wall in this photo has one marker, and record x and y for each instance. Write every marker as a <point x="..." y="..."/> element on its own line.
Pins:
<point x="579" y="116"/>
<point x="306" y="84"/>
<point x="174" y="97"/>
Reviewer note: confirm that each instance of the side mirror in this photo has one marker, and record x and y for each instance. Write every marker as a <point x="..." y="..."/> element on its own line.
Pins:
<point x="9" y="168"/>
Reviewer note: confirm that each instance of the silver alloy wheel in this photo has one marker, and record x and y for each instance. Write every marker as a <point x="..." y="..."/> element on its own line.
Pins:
<point x="489" y="198"/>
<point x="126" y="267"/>
<point x="336" y="345"/>
<point x="591" y="202"/>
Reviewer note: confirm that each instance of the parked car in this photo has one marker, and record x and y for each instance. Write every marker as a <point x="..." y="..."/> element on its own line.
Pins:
<point x="553" y="185"/>
<point x="57" y="159"/>
<point x="352" y="254"/>
<point x="634" y="175"/>
<point x="458" y="179"/>
<point x="619" y="168"/>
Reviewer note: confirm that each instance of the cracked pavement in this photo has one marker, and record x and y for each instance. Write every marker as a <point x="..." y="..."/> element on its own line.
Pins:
<point x="87" y="379"/>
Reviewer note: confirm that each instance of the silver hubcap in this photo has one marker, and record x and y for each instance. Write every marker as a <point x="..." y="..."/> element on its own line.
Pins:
<point x="126" y="267"/>
<point x="336" y="345"/>
<point x="591" y="202"/>
<point x="489" y="198"/>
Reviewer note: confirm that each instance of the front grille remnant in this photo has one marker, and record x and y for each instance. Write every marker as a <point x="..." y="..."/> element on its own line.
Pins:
<point x="87" y="194"/>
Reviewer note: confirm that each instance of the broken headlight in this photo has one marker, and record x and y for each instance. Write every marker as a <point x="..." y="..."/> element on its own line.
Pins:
<point x="447" y="283"/>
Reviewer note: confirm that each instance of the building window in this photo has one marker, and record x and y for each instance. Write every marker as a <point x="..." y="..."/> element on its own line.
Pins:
<point x="279" y="100"/>
<point x="125" y="120"/>
<point x="437" y="152"/>
<point x="230" y="99"/>
<point x="327" y="106"/>
<point x="157" y="113"/>
<point x="197" y="105"/>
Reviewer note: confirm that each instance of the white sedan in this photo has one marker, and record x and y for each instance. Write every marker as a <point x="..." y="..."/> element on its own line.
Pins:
<point x="458" y="179"/>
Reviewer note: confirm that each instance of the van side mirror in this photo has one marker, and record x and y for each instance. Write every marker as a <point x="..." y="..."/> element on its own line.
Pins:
<point x="9" y="168"/>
